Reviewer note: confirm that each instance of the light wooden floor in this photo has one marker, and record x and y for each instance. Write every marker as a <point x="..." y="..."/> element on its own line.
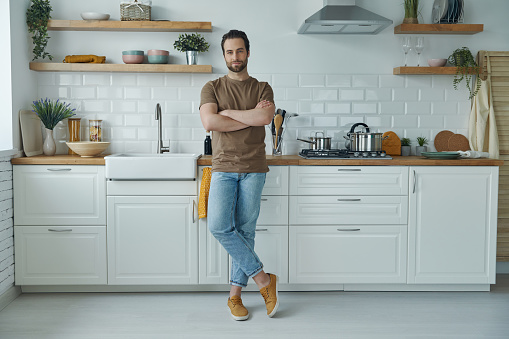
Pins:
<point x="307" y="315"/>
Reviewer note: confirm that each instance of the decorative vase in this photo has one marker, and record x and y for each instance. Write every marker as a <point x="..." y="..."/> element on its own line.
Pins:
<point x="410" y="21"/>
<point x="49" y="147"/>
<point x="192" y="57"/>
<point x="420" y="149"/>
<point x="405" y="151"/>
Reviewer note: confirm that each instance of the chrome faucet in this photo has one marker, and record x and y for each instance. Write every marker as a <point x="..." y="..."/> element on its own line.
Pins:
<point x="160" y="147"/>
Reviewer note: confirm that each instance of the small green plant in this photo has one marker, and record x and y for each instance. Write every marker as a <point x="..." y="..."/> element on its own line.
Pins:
<point x="191" y="42"/>
<point x="466" y="66"/>
<point x="422" y="141"/>
<point x="411" y="8"/>
<point x="51" y="113"/>
<point x="406" y="142"/>
<point x="37" y="17"/>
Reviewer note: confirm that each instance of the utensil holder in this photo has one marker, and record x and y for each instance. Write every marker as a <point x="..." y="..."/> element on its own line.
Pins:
<point x="277" y="144"/>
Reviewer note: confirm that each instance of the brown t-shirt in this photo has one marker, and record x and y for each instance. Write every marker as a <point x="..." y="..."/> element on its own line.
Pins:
<point x="241" y="151"/>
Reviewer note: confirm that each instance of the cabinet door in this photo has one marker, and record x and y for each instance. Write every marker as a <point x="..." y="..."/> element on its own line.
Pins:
<point x="213" y="262"/>
<point x="60" y="255"/>
<point x="59" y="195"/>
<point x="273" y="210"/>
<point x="452" y="225"/>
<point x="152" y="240"/>
<point x="276" y="182"/>
<point x="359" y="254"/>
<point x="271" y="246"/>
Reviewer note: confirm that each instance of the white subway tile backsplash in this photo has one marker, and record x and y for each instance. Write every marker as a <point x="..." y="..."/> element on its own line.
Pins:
<point x="91" y="106"/>
<point x="312" y="107"/>
<point x="381" y="94"/>
<point x="110" y="120"/>
<point x="464" y="107"/>
<point x="404" y="121"/>
<point x="139" y="147"/>
<point x="53" y="92"/>
<point x="392" y="81"/>
<point x="352" y="94"/>
<point x="299" y="94"/>
<point x="199" y="80"/>
<point x="312" y="80"/>
<point x="177" y="80"/>
<point x="359" y="108"/>
<point x="136" y="93"/>
<point x="279" y="94"/>
<point x="288" y="106"/>
<point x="405" y="94"/>
<point x="68" y="79"/>
<point x="379" y="121"/>
<point x="124" y="133"/>
<point x="338" y="81"/>
<point x="147" y="134"/>
<point x="111" y="93"/>
<point x="150" y="80"/>
<point x="431" y="121"/>
<point x="90" y="79"/>
<point x="418" y="108"/>
<point x="444" y="108"/>
<point x="301" y="121"/>
<point x="432" y="94"/>
<point x="198" y="134"/>
<point x="461" y="94"/>
<point x="421" y="81"/>
<point x="124" y="106"/>
<point x="165" y="93"/>
<point x="285" y="80"/>
<point x="46" y="79"/>
<point x="119" y="79"/>
<point x="83" y="92"/>
<point x="325" y="121"/>
<point x="189" y="120"/>
<point x="325" y="94"/>
<point x="189" y="94"/>
<point x="365" y="81"/>
<point x="338" y="108"/>
<point x="181" y="134"/>
<point x="454" y="122"/>
<point x="138" y="120"/>
<point x="347" y="122"/>
<point x="178" y="107"/>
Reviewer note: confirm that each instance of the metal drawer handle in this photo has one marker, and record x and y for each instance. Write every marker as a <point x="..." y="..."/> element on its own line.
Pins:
<point x="349" y="229"/>
<point x="194" y="220"/>
<point x="261" y="230"/>
<point x="59" y="169"/>
<point x="349" y="170"/>
<point x="265" y="199"/>
<point x="349" y="199"/>
<point x="60" y="230"/>
<point x="414" y="182"/>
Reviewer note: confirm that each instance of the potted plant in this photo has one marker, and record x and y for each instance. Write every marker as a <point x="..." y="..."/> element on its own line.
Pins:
<point x="37" y="17"/>
<point x="192" y="44"/>
<point x="411" y="11"/>
<point x="466" y="66"/>
<point x="422" y="141"/>
<point x="405" y="146"/>
<point x="51" y="113"/>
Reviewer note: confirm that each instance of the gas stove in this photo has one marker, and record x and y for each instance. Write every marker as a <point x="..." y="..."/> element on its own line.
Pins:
<point x="342" y="154"/>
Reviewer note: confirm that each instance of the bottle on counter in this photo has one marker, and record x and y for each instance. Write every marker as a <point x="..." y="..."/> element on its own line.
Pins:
<point x="207" y="144"/>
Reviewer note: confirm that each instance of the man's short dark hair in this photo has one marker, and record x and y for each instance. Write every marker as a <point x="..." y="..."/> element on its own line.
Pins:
<point x="233" y="34"/>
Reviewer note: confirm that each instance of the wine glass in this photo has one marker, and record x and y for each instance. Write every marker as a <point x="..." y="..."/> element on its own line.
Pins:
<point x="419" y="47"/>
<point x="406" y="46"/>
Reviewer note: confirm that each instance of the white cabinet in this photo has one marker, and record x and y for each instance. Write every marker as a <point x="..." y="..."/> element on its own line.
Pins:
<point x="271" y="246"/>
<point x="452" y="225"/>
<point x="213" y="259"/>
<point x="345" y="254"/>
<point x="60" y="255"/>
<point x="152" y="240"/>
<point x="273" y="210"/>
<point x="59" y="195"/>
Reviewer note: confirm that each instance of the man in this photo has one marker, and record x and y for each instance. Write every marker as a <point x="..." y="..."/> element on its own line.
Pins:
<point x="236" y="109"/>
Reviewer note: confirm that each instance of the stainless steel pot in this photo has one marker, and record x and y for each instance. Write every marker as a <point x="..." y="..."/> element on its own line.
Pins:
<point x="317" y="143"/>
<point x="363" y="141"/>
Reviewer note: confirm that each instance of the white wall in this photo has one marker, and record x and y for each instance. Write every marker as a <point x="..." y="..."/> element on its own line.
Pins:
<point x="5" y="84"/>
<point x="332" y="81"/>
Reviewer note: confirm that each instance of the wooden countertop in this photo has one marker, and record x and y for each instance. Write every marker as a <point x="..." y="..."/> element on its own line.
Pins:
<point x="284" y="160"/>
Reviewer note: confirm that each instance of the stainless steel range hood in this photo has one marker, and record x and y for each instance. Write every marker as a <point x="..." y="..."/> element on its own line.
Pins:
<point x="344" y="17"/>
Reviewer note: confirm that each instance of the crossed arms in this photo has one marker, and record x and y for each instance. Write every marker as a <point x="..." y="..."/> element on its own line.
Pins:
<point x="233" y="120"/>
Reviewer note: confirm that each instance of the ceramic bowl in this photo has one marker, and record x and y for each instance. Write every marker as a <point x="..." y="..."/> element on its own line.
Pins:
<point x="157" y="52"/>
<point x="133" y="52"/>
<point x="437" y="62"/>
<point x="94" y="16"/>
<point x="157" y="59"/>
<point x="88" y="148"/>
<point x="132" y="59"/>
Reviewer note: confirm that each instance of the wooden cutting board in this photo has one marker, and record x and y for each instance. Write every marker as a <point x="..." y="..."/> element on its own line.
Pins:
<point x="442" y="141"/>
<point x="31" y="132"/>
<point x="458" y="142"/>
<point x="391" y="145"/>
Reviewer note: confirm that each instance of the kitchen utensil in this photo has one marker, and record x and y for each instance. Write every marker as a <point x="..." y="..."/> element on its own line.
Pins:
<point x="442" y="140"/>
<point x="437" y="62"/>
<point x="440" y="155"/>
<point x="391" y="143"/>
<point x="278" y="121"/>
<point x="94" y="16"/>
<point x="319" y="143"/>
<point x="458" y="142"/>
<point x="30" y="132"/>
<point x="88" y="148"/>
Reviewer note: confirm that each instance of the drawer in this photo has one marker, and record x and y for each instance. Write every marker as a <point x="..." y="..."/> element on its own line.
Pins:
<point x="273" y="210"/>
<point x="360" y="254"/>
<point x="276" y="182"/>
<point x="59" y="195"/>
<point x="60" y="255"/>
<point x="348" y="180"/>
<point x="344" y="210"/>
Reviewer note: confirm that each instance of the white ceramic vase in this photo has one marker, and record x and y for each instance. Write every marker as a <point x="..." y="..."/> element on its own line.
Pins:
<point x="49" y="147"/>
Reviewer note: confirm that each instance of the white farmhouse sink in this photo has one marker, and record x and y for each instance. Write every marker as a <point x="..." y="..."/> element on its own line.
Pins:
<point x="140" y="166"/>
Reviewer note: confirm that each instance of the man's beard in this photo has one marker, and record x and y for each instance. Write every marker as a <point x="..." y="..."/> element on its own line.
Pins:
<point x="237" y="69"/>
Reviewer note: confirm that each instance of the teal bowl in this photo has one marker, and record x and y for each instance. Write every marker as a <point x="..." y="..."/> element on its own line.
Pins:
<point x="158" y="59"/>
<point x="133" y="52"/>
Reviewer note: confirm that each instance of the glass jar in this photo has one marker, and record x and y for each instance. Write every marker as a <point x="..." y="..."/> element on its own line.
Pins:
<point x="95" y="130"/>
<point x="74" y="125"/>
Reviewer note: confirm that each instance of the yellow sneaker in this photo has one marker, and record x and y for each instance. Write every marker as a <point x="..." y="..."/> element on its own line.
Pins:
<point x="270" y="295"/>
<point x="237" y="309"/>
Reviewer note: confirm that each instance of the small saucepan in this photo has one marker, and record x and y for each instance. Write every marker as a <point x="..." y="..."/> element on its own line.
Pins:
<point x="318" y="143"/>
<point x="365" y="141"/>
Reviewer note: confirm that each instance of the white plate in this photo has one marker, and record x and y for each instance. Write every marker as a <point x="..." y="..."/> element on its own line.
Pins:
<point x="94" y="16"/>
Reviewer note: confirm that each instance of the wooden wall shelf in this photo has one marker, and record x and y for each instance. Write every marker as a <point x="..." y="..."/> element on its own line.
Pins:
<point x="129" y="26"/>
<point x="125" y="68"/>
<point x="425" y="70"/>
<point x="466" y="29"/>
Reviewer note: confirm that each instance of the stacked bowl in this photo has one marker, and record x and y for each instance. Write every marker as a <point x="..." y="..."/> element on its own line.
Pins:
<point x="133" y="57"/>
<point x="158" y="56"/>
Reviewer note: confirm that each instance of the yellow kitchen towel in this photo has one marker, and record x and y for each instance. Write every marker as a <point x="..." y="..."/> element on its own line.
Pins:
<point x="204" y="192"/>
<point x="93" y="59"/>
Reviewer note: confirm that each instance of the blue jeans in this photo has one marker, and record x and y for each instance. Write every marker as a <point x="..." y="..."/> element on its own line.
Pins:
<point x="233" y="209"/>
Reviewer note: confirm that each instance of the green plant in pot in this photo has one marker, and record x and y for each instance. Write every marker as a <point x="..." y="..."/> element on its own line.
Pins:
<point x="192" y="44"/>
<point x="466" y="67"/>
<point x="405" y="146"/>
<point x="422" y="141"/>
<point x="37" y="16"/>
<point x="411" y="11"/>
